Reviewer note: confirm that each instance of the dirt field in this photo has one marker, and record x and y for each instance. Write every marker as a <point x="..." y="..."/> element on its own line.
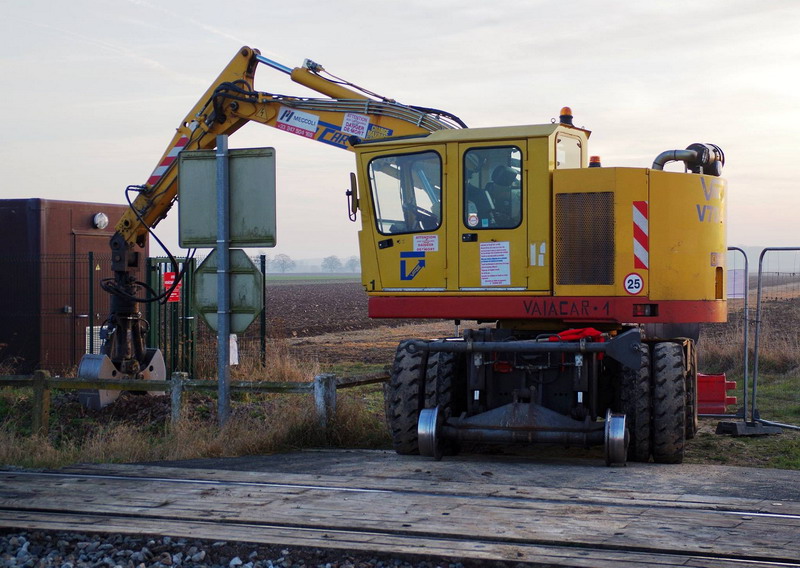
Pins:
<point x="309" y="307"/>
<point x="327" y="321"/>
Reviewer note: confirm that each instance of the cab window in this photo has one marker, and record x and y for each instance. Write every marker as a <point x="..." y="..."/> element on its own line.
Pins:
<point x="492" y="188"/>
<point x="568" y="152"/>
<point x="407" y="192"/>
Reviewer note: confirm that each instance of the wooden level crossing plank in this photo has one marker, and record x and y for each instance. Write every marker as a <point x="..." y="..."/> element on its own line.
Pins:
<point x="457" y="550"/>
<point x="480" y="488"/>
<point x="630" y="525"/>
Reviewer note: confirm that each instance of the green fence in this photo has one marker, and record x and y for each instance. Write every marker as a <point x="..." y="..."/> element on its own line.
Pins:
<point x="184" y="339"/>
<point x="173" y="327"/>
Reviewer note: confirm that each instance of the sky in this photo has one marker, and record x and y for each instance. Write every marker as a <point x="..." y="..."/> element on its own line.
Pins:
<point x="94" y="89"/>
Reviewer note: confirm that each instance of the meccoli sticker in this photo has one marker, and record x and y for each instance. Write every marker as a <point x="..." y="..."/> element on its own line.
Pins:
<point x="297" y="122"/>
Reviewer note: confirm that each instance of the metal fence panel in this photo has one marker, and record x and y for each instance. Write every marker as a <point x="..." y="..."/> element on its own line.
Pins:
<point x="47" y="304"/>
<point x="777" y="339"/>
<point x="173" y="327"/>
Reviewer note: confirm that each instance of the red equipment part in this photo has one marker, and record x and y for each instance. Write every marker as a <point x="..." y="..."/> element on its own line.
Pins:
<point x="712" y="393"/>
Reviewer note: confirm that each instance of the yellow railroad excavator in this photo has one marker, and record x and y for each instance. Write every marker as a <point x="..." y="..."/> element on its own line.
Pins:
<point x="587" y="283"/>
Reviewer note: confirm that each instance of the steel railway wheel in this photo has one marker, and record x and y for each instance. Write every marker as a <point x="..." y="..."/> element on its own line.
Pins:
<point x="444" y="389"/>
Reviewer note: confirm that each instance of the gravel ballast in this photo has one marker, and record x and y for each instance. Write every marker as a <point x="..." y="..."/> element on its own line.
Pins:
<point x="41" y="549"/>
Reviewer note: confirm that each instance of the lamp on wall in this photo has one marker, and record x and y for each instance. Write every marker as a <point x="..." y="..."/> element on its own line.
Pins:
<point x="100" y="221"/>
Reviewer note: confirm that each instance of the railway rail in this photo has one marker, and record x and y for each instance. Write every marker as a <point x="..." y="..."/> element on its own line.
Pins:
<point x="424" y="512"/>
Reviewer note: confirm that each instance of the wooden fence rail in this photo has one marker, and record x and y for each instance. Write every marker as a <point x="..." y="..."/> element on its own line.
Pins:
<point x="323" y="388"/>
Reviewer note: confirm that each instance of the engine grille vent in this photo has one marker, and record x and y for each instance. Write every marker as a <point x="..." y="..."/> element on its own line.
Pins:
<point x="584" y="244"/>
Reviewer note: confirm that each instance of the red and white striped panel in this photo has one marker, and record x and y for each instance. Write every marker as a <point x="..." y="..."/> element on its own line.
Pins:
<point x="641" y="235"/>
<point x="168" y="160"/>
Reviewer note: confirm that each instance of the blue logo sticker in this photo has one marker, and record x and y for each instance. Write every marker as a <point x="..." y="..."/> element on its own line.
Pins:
<point x="408" y="268"/>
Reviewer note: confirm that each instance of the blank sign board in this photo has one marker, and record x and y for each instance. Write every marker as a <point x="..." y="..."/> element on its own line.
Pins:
<point x="246" y="291"/>
<point x="252" y="198"/>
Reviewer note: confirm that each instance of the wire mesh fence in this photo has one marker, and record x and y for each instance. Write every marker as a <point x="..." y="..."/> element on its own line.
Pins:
<point x="189" y="345"/>
<point x="52" y="310"/>
<point x="172" y="325"/>
<point x="776" y="342"/>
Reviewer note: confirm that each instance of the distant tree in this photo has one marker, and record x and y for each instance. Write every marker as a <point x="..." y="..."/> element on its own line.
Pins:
<point x="283" y="262"/>
<point x="331" y="263"/>
<point x="353" y="263"/>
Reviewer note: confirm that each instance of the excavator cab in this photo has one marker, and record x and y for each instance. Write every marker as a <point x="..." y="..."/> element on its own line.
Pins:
<point x="461" y="213"/>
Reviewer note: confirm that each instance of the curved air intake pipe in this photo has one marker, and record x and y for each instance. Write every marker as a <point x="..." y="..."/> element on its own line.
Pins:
<point x="699" y="159"/>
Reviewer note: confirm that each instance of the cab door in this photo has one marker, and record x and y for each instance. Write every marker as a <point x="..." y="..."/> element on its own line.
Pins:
<point x="407" y="200"/>
<point x="493" y="245"/>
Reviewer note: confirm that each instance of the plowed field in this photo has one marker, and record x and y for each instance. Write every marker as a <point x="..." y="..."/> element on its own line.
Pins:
<point x="327" y="321"/>
<point x="309" y="307"/>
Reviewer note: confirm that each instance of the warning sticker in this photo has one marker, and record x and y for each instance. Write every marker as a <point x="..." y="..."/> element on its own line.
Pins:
<point x="356" y="124"/>
<point x="169" y="280"/>
<point x="495" y="264"/>
<point x="426" y="243"/>
<point x="297" y="122"/>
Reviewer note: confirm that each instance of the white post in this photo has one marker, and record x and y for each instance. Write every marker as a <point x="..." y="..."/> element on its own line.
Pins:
<point x="325" y="398"/>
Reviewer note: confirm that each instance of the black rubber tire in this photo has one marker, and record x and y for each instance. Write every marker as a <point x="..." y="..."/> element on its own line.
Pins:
<point x="403" y="398"/>
<point x="669" y="403"/>
<point x="441" y="382"/>
<point x="444" y="388"/>
<point x="635" y="403"/>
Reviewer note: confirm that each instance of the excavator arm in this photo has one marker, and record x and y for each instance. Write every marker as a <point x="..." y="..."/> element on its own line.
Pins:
<point x="345" y="111"/>
<point x="232" y="101"/>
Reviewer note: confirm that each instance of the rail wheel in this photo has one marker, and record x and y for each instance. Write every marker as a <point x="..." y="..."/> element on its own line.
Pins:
<point x="669" y="403"/>
<point x="444" y="389"/>
<point x="635" y="403"/>
<point x="404" y="397"/>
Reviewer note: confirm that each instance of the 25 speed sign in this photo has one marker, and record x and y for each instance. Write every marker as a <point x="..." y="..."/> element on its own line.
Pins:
<point x="633" y="284"/>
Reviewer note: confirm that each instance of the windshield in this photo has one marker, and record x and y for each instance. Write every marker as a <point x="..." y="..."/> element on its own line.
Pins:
<point x="407" y="192"/>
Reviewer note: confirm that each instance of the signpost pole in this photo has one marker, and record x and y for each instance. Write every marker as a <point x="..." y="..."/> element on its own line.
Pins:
<point x="223" y="282"/>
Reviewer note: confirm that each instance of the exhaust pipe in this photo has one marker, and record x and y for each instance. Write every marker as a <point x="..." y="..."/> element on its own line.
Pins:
<point x="699" y="159"/>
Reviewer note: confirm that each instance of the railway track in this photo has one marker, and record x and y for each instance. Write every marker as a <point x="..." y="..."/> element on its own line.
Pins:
<point x="441" y="516"/>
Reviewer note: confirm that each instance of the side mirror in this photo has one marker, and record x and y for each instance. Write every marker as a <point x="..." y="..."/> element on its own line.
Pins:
<point x="352" y="193"/>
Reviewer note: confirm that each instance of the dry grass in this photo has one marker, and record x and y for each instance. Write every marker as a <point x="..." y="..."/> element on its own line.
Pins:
<point x="278" y="364"/>
<point x="268" y="426"/>
<point x="721" y="348"/>
<point x="137" y="428"/>
<point x="32" y="451"/>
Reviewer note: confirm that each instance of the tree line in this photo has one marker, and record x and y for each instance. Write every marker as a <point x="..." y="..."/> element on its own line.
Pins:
<point x="284" y="263"/>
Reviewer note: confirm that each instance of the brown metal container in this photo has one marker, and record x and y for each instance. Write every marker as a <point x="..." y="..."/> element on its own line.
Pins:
<point x="47" y="284"/>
